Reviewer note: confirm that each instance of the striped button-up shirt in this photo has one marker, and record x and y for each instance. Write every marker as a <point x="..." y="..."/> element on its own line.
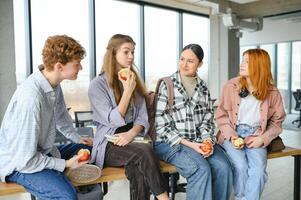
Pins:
<point x="191" y="118"/>
<point x="28" y="128"/>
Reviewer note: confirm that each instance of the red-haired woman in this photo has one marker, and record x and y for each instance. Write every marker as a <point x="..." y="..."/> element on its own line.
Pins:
<point x="249" y="116"/>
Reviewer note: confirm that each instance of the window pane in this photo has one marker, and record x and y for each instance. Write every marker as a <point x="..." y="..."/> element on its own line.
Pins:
<point x="114" y="17"/>
<point x="196" y="30"/>
<point x="20" y="54"/>
<point x="270" y="48"/>
<point x="70" y="18"/>
<point x="160" y="44"/>
<point x="282" y="72"/>
<point x="296" y="69"/>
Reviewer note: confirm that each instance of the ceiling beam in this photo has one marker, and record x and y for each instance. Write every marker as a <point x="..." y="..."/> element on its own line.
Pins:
<point x="265" y="8"/>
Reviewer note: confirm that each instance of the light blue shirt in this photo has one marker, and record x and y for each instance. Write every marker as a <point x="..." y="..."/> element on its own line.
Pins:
<point x="29" y="126"/>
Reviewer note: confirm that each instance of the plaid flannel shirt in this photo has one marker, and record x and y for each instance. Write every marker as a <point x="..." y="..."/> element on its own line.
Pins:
<point x="191" y="118"/>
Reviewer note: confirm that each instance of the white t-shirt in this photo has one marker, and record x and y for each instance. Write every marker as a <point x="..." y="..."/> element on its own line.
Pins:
<point x="249" y="111"/>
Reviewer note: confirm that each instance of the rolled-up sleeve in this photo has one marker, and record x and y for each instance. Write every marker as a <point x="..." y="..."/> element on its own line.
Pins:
<point x="142" y="117"/>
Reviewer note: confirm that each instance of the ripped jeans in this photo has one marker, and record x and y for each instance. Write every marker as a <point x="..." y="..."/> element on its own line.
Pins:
<point x="209" y="178"/>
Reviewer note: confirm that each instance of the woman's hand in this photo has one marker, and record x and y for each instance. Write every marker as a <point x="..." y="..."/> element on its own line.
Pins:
<point x="254" y="141"/>
<point x="129" y="84"/>
<point x="197" y="147"/>
<point x="87" y="141"/>
<point x="236" y="145"/>
<point x="74" y="162"/>
<point x="125" y="138"/>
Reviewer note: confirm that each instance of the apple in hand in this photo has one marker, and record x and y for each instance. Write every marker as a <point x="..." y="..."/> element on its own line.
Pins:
<point x="85" y="154"/>
<point x="124" y="73"/>
<point x="238" y="142"/>
<point x="207" y="146"/>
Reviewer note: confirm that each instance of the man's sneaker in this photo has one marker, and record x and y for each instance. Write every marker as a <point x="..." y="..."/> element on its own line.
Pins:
<point x="84" y="174"/>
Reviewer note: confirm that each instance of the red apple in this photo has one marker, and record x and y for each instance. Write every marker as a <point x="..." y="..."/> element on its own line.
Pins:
<point x="207" y="146"/>
<point x="124" y="73"/>
<point x="85" y="154"/>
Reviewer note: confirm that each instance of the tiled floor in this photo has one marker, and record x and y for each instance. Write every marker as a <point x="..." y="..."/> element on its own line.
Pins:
<point x="278" y="187"/>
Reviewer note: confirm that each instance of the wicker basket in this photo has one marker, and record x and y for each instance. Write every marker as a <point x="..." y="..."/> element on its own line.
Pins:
<point x="84" y="174"/>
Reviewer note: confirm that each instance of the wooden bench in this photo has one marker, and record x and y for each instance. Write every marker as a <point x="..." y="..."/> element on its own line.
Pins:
<point x="108" y="174"/>
<point x="111" y="174"/>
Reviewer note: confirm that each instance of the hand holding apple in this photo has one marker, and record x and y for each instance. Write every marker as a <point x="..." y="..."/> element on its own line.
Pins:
<point x="206" y="146"/>
<point x="238" y="142"/>
<point x="85" y="154"/>
<point x="124" y="73"/>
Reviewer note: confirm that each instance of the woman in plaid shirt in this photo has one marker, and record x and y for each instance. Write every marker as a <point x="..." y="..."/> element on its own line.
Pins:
<point x="181" y="133"/>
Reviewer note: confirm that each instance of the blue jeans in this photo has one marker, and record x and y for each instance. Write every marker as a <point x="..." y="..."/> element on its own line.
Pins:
<point x="209" y="178"/>
<point x="49" y="184"/>
<point x="249" y="167"/>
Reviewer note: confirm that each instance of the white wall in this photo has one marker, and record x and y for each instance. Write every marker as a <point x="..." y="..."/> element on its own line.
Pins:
<point x="7" y="55"/>
<point x="273" y="31"/>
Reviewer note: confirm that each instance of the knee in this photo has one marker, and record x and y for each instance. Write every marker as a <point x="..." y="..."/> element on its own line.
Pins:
<point x="224" y="169"/>
<point x="258" y="172"/>
<point x="240" y="168"/>
<point x="204" y="169"/>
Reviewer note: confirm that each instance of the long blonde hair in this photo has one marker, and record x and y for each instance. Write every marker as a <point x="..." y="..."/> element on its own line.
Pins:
<point x="110" y="68"/>
<point x="260" y="74"/>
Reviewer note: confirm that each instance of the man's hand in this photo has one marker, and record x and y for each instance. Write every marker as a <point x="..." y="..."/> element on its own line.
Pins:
<point x="87" y="141"/>
<point x="74" y="162"/>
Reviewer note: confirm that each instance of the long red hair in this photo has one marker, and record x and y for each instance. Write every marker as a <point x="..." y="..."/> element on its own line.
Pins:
<point x="260" y="74"/>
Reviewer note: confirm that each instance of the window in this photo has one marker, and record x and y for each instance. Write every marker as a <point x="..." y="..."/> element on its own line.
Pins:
<point x="57" y="17"/>
<point x="161" y="50"/>
<point x="196" y="30"/>
<point x="296" y="69"/>
<point x="114" y="17"/>
<point x="20" y="53"/>
<point x="283" y="63"/>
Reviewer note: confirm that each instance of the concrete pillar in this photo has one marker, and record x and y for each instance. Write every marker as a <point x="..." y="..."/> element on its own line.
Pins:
<point x="224" y="55"/>
<point x="7" y="55"/>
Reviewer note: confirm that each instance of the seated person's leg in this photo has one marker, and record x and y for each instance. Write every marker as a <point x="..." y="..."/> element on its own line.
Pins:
<point x="47" y="184"/>
<point x="192" y="166"/>
<point x="221" y="174"/>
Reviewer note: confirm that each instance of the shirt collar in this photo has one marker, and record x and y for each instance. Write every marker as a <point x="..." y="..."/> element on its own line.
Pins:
<point x="43" y="82"/>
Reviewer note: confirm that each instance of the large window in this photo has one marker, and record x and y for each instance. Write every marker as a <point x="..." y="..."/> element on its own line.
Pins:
<point x="196" y="30"/>
<point x="158" y="35"/>
<point x="20" y="53"/>
<point x="296" y="69"/>
<point x="283" y="60"/>
<point x="161" y="49"/>
<point x="114" y="17"/>
<point x="70" y="17"/>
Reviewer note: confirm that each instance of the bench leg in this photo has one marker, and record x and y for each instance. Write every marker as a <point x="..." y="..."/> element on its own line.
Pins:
<point x="297" y="169"/>
<point x="105" y="188"/>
